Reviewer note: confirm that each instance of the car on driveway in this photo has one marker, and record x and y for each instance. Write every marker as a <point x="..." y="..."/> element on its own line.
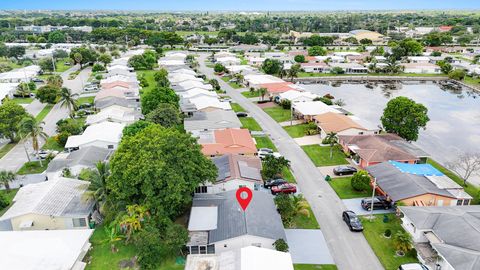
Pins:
<point x="37" y="80"/>
<point x="274" y="182"/>
<point x="352" y="221"/>
<point x="379" y="202"/>
<point x="413" y="266"/>
<point x="264" y="152"/>
<point x="90" y="88"/>
<point x="43" y="154"/>
<point x="344" y="170"/>
<point x="284" y="188"/>
<point x="242" y="114"/>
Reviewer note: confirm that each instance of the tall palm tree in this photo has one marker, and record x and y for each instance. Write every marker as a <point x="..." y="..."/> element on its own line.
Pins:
<point x="55" y="80"/>
<point x="31" y="128"/>
<point x="294" y="70"/>
<point x="67" y="99"/>
<point x="23" y="90"/>
<point x="282" y="72"/>
<point x="6" y="177"/>
<point x="97" y="189"/>
<point x="332" y="139"/>
<point x="262" y="92"/>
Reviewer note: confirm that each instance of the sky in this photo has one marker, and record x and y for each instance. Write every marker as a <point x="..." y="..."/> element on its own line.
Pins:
<point x="228" y="5"/>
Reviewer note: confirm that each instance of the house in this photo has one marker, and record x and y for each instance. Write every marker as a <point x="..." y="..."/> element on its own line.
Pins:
<point x="208" y="121"/>
<point x="25" y="74"/>
<point x="122" y="78"/>
<point x="119" y="67"/>
<point x="228" y="61"/>
<point x="256" y="61"/>
<point x="177" y="78"/>
<point x="418" y="59"/>
<point x="367" y="150"/>
<point x="169" y="63"/>
<point x="44" y="249"/>
<point x="173" y="55"/>
<point x="275" y="89"/>
<point x="119" y="71"/>
<point x="244" y="69"/>
<point x="249" y="48"/>
<point x="56" y="204"/>
<point x="317" y="67"/>
<point x="7" y="90"/>
<point x="197" y="92"/>
<point x="77" y="160"/>
<point x="256" y="80"/>
<point x="185" y="71"/>
<point x="297" y="96"/>
<point x="308" y="110"/>
<point x="217" y="223"/>
<point x="105" y="135"/>
<point x="446" y="238"/>
<point x="416" y="185"/>
<point x="204" y="104"/>
<point x="118" y="92"/>
<point x="186" y="85"/>
<point x="223" y="54"/>
<point x="422" y="68"/>
<point x="227" y="141"/>
<point x="350" y="68"/>
<point x="234" y="171"/>
<point x="120" y="74"/>
<point x="327" y="58"/>
<point x="247" y="258"/>
<point x="117" y="101"/>
<point x="133" y="85"/>
<point x="115" y="114"/>
<point x="340" y="124"/>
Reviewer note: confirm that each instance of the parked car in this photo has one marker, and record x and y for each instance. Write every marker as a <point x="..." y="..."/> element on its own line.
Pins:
<point x="90" y="88"/>
<point x="43" y="154"/>
<point x="264" y="152"/>
<point x="352" y="221"/>
<point x="284" y="188"/>
<point x="242" y="114"/>
<point x="85" y="112"/>
<point x="37" y="80"/>
<point x="344" y="170"/>
<point x="379" y="202"/>
<point x="227" y="100"/>
<point x="274" y="182"/>
<point x="85" y="105"/>
<point x="413" y="266"/>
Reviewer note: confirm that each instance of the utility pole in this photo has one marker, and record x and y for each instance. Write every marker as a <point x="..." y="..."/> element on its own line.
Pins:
<point x="373" y="197"/>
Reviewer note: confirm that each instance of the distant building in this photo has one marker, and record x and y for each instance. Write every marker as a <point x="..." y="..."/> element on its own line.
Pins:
<point x="40" y="29"/>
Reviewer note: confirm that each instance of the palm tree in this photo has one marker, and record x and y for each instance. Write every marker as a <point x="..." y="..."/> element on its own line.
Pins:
<point x="282" y="72"/>
<point x="6" y="177"/>
<point x="332" y="140"/>
<point x="30" y="127"/>
<point x="262" y="92"/>
<point x="67" y="100"/>
<point x="97" y="189"/>
<point x="55" y="80"/>
<point x="23" y="90"/>
<point x="301" y="205"/>
<point x="402" y="241"/>
<point x="133" y="219"/>
<point x="294" y="70"/>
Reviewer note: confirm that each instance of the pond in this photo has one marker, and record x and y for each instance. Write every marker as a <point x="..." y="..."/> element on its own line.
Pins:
<point x="454" y="125"/>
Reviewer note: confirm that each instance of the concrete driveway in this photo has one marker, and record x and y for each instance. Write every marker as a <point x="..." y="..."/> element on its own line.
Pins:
<point x="328" y="170"/>
<point x="308" y="140"/>
<point x="354" y="205"/>
<point x="308" y="247"/>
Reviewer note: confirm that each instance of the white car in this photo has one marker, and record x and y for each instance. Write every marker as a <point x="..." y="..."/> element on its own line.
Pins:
<point x="43" y="154"/>
<point x="413" y="266"/>
<point x="90" y="88"/>
<point x="264" y="152"/>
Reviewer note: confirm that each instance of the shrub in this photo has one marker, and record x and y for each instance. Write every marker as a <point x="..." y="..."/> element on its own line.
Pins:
<point x="281" y="245"/>
<point x="286" y="104"/>
<point x="360" y="181"/>
<point x="3" y="201"/>
<point x="62" y="137"/>
<point x="285" y="207"/>
<point x="387" y="233"/>
<point x="324" y="100"/>
<point x="329" y="96"/>
<point x="457" y="74"/>
<point x="219" y="68"/>
<point x="98" y="67"/>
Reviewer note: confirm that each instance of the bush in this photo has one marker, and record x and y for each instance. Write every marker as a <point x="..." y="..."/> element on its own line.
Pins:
<point x="387" y="233"/>
<point x="281" y="245"/>
<point x="3" y="201"/>
<point x="285" y="207"/>
<point x="62" y="137"/>
<point x="457" y="74"/>
<point x="98" y="67"/>
<point x="47" y="94"/>
<point x="286" y="104"/>
<point x="324" y="100"/>
<point x="218" y="68"/>
<point x="329" y="96"/>
<point x="360" y="181"/>
<point x="299" y="58"/>
<point x="98" y="77"/>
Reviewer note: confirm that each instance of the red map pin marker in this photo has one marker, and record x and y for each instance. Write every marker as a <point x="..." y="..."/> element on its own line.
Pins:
<point x="244" y="197"/>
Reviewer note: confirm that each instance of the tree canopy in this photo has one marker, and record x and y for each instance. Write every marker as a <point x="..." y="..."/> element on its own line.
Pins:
<point x="152" y="98"/>
<point x="166" y="115"/>
<point x="272" y="66"/>
<point x="316" y="51"/>
<point x="10" y="115"/>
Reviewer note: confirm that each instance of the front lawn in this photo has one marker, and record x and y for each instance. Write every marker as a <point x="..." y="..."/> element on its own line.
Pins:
<point x="43" y="113"/>
<point x="300" y="130"/>
<point x="60" y="65"/>
<point x="344" y="189"/>
<point x="82" y="100"/>
<point x="250" y="124"/>
<point x="234" y="85"/>
<point x="278" y="113"/>
<point x="6" y="148"/>
<point x="383" y="247"/>
<point x="9" y="194"/>
<point x="470" y="189"/>
<point x="320" y="155"/>
<point x="32" y="167"/>
<point x="237" y="108"/>
<point x="304" y="222"/>
<point x="314" y="267"/>
<point x="249" y="94"/>
<point x="288" y="175"/>
<point x="264" y="142"/>
<point x="51" y="144"/>
<point x="20" y="100"/>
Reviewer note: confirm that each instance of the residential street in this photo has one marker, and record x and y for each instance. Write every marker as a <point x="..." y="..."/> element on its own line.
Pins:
<point x="14" y="159"/>
<point x="349" y="250"/>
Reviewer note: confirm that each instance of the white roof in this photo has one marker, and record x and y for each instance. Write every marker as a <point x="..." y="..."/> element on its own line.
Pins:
<point x="294" y="95"/>
<point x="114" y="67"/>
<point x="115" y="113"/>
<point x="173" y="54"/>
<point x="195" y="92"/>
<point x="7" y="89"/>
<point x="239" y="68"/>
<point x="261" y="79"/>
<point x="255" y="258"/>
<point x="419" y="58"/>
<point x="25" y="73"/>
<point x="33" y="250"/>
<point x="184" y="71"/>
<point x="343" y="54"/>
<point x="169" y="62"/>
<point x="228" y="59"/>
<point x="105" y="131"/>
<point x="50" y="198"/>
<point x="203" y="219"/>
<point x="180" y="77"/>
<point x="195" y="84"/>
<point x="203" y="102"/>
<point x="313" y="108"/>
<point x="119" y="77"/>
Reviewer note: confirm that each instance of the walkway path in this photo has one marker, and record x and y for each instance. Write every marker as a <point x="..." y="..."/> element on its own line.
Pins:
<point x="349" y="250"/>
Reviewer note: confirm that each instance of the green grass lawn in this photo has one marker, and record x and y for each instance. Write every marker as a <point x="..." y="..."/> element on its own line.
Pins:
<point x="265" y="142"/>
<point x="304" y="222"/>
<point x="278" y="113"/>
<point x="234" y="85"/>
<point x="102" y="257"/>
<point x="9" y="194"/>
<point x="249" y="94"/>
<point x="31" y="167"/>
<point x="51" y="144"/>
<point x="250" y="124"/>
<point x="82" y="100"/>
<point x="470" y="189"/>
<point x="43" y="113"/>
<point x="237" y="108"/>
<point x="383" y="247"/>
<point x="320" y="155"/>
<point x="344" y="189"/>
<point x="26" y="100"/>
<point x="149" y="77"/>
<point x="297" y="131"/>
<point x="472" y="81"/>
<point x="6" y="148"/>
<point x="314" y="267"/>
<point x="60" y="65"/>
<point x="288" y="175"/>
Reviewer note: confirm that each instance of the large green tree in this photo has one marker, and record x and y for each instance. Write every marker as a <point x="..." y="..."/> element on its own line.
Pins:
<point x="10" y="115"/>
<point x="159" y="168"/>
<point x="316" y="51"/>
<point x="48" y="94"/>
<point x="404" y="117"/>
<point x="56" y="37"/>
<point x="272" y="66"/>
<point x="152" y="98"/>
<point x="166" y="115"/>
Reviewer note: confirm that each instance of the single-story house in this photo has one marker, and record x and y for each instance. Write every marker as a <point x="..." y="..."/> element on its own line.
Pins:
<point x="234" y="171"/>
<point x="124" y="67"/>
<point x="203" y="104"/>
<point x="416" y="185"/>
<point x="77" y="160"/>
<point x="308" y="110"/>
<point x="187" y="85"/>
<point x="340" y="124"/>
<point x="177" y="78"/>
<point x="445" y="237"/>
<point x="197" y="92"/>
<point x="19" y="75"/>
<point x="297" y="96"/>
<point x="44" y="249"/>
<point x="256" y="61"/>
<point x="170" y="62"/>
<point x="218" y="224"/>
<point x="7" y="90"/>
<point x="119" y="71"/>
<point x="121" y="78"/>
<point x="105" y="135"/>
<point x="249" y="48"/>
<point x="115" y="114"/>
<point x="228" y="61"/>
<point x="117" y="101"/>
<point x="56" y="204"/>
<point x="247" y="258"/>
<point x="274" y="89"/>
<point x="418" y="59"/>
<point x="326" y="58"/>
<point x="120" y="74"/>
<point x="119" y="92"/>
<point x="223" y="54"/>
<point x="244" y="69"/>
<point x="426" y="68"/>
<point x="367" y="150"/>
<point x="319" y="67"/>
<point x="172" y="55"/>
<point x="182" y="71"/>
<point x="256" y="80"/>
<point x="120" y="83"/>
<point x="227" y="141"/>
<point x="350" y="68"/>
<point x="207" y="121"/>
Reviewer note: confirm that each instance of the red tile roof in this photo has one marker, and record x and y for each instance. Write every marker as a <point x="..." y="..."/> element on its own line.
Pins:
<point x="230" y="141"/>
<point x="278" y="87"/>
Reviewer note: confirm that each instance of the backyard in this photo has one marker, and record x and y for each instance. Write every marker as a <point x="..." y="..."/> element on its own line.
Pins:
<point x="320" y="155"/>
<point x="344" y="190"/>
<point x="382" y="246"/>
<point x="278" y="113"/>
<point x="149" y="78"/>
<point x="250" y="124"/>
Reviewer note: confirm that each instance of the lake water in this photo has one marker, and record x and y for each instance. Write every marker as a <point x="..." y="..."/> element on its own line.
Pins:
<point x="454" y="125"/>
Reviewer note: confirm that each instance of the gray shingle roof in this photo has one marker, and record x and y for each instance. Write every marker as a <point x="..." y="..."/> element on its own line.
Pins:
<point x="87" y="157"/>
<point x="260" y="219"/>
<point x="400" y="185"/>
<point x="458" y="228"/>
<point x="218" y="119"/>
<point x="109" y="101"/>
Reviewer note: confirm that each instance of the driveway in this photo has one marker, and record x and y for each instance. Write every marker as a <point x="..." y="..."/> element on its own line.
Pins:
<point x="349" y="250"/>
<point x="308" y="140"/>
<point x="308" y="247"/>
<point x="328" y="170"/>
<point x="354" y="205"/>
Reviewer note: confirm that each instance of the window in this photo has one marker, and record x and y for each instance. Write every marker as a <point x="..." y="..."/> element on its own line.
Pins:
<point x="466" y="202"/>
<point x="79" y="222"/>
<point x="110" y="146"/>
<point x="194" y="250"/>
<point x="202" y="189"/>
<point x="459" y="202"/>
<point x="211" y="249"/>
<point x="203" y="250"/>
